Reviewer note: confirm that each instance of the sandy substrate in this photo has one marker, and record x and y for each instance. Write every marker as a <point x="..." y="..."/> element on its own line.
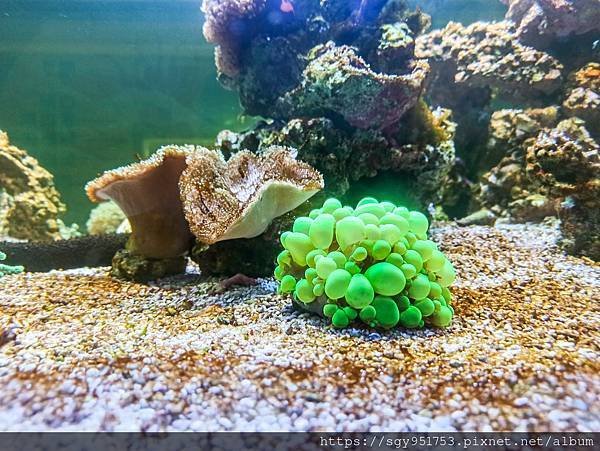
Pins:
<point x="85" y="352"/>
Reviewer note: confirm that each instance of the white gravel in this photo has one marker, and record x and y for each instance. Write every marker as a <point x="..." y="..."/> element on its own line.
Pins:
<point x="90" y="353"/>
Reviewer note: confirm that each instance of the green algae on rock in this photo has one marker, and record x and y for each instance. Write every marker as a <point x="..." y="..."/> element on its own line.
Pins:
<point x="373" y="263"/>
<point x="7" y="269"/>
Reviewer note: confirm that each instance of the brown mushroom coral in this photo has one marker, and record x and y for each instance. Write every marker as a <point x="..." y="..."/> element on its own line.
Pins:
<point x="239" y="198"/>
<point x="148" y="193"/>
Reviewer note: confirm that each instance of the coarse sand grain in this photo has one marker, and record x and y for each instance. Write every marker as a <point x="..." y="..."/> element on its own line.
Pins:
<point x="82" y="351"/>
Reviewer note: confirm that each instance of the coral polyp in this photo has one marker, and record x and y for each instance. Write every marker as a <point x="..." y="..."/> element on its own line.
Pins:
<point x="372" y="263"/>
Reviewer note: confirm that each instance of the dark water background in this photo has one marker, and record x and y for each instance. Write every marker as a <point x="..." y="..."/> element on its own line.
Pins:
<point x="85" y="85"/>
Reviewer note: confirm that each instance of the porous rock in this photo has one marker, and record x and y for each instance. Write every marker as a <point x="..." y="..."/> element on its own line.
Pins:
<point x="30" y="204"/>
<point x="486" y="54"/>
<point x="315" y="57"/>
<point x="552" y="172"/>
<point x="582" y="97"/>
<point x="542" y="22"/>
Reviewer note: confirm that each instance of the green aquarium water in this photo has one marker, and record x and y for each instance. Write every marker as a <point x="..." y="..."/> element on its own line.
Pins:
<point x="92" y="85"/>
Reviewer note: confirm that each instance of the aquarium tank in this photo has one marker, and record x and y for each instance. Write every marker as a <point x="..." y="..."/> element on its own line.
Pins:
<point x="310" y="217"/>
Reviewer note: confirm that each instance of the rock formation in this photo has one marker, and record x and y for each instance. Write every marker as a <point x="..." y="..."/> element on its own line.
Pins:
<point x="30" y="205"/>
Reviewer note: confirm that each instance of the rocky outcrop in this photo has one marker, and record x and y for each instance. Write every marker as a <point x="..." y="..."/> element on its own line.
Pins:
<point x="477" y="66"/>
<point x="30" y="205"/>
<point x="347" y="60"/>
<point x="551" y="170"/>
<point x="582" y="98"/>
<point x="486" y="55"/>
<point x="338" y="82"/>
<point x="511" y="127"/>
<point x="420" y="151"/>
<point x="542" y="22"/>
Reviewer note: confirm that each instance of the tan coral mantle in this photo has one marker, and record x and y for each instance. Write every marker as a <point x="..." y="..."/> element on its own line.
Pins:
<point x="148" y="193"/>
<point x="239" y="198"/>
<point x="184" y="191"/>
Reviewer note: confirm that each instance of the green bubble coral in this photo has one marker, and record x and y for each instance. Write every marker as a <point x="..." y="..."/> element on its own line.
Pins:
<point x="372" y="264"/>
<point x="360" y="292"/>
<point x="6" y="270"/>
<point x="337" y="283"/>
<point x="321" y="231"/>
<point x="419" y="288"/>
<point x="387" y="312"/>
<point x="350" y="230"/>
<point x="411" y="317"/>
<point x="386" y="279"/>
